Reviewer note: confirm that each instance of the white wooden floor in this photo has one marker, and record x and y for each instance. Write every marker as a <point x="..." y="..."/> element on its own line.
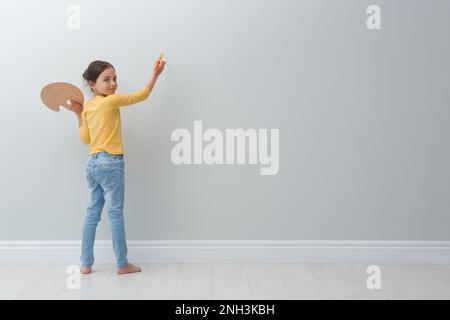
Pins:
<point x="228" y="281"/>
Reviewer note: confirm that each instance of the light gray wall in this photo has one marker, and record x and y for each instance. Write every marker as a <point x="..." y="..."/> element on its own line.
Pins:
<point x="363" y="117"/>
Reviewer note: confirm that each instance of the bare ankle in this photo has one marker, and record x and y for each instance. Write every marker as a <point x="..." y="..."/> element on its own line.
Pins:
<point x="85" y="269"/>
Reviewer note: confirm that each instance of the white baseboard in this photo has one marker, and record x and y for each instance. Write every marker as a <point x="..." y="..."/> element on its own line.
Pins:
<point x="233" y="251"/>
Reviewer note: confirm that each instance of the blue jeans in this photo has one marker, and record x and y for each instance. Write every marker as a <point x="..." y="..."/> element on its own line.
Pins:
<point x="106" y="182"/>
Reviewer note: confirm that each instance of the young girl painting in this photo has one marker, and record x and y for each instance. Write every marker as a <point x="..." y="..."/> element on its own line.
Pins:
<point x="99" y="126"/>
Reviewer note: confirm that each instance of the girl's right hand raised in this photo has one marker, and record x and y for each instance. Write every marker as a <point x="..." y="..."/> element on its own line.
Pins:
<point x="159" y="67"/>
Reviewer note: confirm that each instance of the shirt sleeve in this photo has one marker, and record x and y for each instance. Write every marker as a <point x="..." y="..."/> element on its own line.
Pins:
<point x="127" y="99"/>
<point x="84" y="130"/>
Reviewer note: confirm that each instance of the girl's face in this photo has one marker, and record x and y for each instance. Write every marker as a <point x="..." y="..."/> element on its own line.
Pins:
<point x="106" y="83"/>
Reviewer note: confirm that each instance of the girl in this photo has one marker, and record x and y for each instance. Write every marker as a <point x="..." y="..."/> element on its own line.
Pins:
<point x="99" y="127"/>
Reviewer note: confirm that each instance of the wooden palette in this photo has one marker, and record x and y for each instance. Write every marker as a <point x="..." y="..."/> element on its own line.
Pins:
<point x="56" y="94"/>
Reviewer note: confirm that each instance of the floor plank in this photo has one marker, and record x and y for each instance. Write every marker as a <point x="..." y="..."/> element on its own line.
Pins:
<point x="194" y="282"/>
<point x="47" y="286"/>
<point x="123" y="286"/>
<point x="336" y="283"/>
<point x="265" y="283"/>
<point x="19" y="279"/>
<point x="6" y="269"/>
<point x="301" y="283"/>
<point x="158" y="282"/>
<point x="230" y="282"/>
<point x="407" y="280"/>
<point x="438" y="276"/>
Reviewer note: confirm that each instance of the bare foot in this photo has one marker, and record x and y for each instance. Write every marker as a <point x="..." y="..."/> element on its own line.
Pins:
<point x="129" y="268"/>
<point x="85" y="270"/>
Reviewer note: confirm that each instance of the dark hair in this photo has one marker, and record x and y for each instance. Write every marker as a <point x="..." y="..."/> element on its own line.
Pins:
<point x="94" y="70"/>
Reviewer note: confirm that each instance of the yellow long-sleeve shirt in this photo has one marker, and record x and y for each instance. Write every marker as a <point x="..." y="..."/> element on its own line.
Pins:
<point x="101" y="128"/>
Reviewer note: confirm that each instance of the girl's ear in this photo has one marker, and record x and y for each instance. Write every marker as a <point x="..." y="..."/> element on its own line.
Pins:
<point x="91" y="85"/>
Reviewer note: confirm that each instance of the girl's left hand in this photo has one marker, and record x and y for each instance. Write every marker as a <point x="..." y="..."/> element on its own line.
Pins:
<point x="74" y="106"/>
